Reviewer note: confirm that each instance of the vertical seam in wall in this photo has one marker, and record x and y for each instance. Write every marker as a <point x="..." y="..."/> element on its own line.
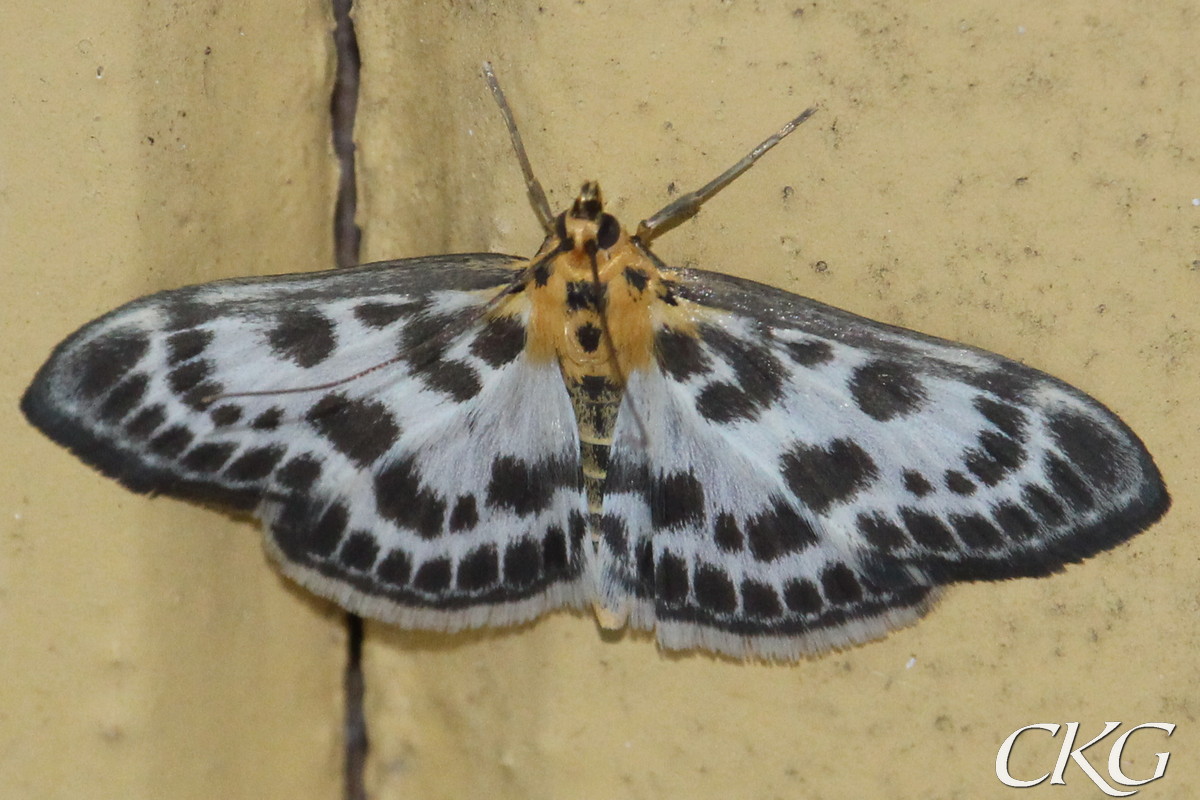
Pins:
<point x="347" y="238"/>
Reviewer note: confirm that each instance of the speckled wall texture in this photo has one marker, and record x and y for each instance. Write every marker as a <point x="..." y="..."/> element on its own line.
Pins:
<point x="1020" y="176"/>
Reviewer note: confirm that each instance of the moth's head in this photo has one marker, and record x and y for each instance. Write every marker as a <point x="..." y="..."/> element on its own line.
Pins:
<point x="586" y="226"/>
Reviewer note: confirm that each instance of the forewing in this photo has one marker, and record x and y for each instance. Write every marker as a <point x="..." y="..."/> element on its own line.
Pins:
<point x="807" y="478"/>
<point x="409" y="461"/>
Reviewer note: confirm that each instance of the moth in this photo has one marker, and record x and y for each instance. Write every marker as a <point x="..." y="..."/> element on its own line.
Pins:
<point x="466" y="440"/>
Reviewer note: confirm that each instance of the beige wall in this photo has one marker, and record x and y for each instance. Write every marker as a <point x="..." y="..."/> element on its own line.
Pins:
<point x="1015" y="175"/>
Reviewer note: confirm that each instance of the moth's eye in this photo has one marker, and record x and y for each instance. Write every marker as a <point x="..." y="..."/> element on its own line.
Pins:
<point x="609" y="232"/>
<point x="565" y="243"/>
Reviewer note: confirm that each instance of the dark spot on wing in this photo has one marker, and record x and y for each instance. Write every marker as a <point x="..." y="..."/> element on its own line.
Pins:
<point x="823" y="476"/>
<point x="268" y="420"/>
<point x="499" y="342"/>
<point x="106" y="360"/>
<point x="996" y="456"/>
<point x="885" y="390"/>
<point x="723" y="402"/>
<point x="1088" y="446"/>
<point x="1014" y="521"/>
<point x="1067" y="485"/>
<point x="802" y="597"/>
<point x="714" y="591"/>
<point x="1043" y="504"/>
<point x="975" y="531"/>
<point x="811" y="353"/>
<point x="171" y="442"/>
<point x="1009" y="419"/>
<point x="644" y="556"/>
<point x="299" y="473"/>
<point x="360" y="429"/>
<point x="183" y="314"/>
<point x="680" y="355"/>
<point x="958" y="483"/>
<point x="916" y="484"/>
<point x="124" y="398"/>
<point x="778" y="531"/>
<point x="302" y="335"/>
<point x="186" y="345"/>
<point x="522" y="562"/>
<point x="465" y="515"/>
<point x="759" y="373"/>
<point x="840" y="585"/>
<point x="556" y="556"/>
<point x="324" y="536"/>
<point x="146" y="421"/>
<point x="927" y="530"/>
<point x="671" y="579"/>
<point x="760" y="600"/>
<point x="433" y="576"/>
<point x="359" y="551"/>
<point x="375" y="314"/>
<point x="395" y="568"/>
<point x="881" y="532"/>
<point x="457" y="379"/>
<point x="612" y="531"/>
<point x="400" y="499"/>
<point x="676" y="500"/>
<point x="255" y="464"/>
<point x="208" y="457"/>
<point x="479" y="569"/>
<point x="225" y="415"/>
<point x="727" y="534"/>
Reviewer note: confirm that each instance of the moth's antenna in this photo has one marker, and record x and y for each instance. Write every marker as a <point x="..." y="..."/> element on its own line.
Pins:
<point x="537" y="197"/>
<point x="686" y="206"/>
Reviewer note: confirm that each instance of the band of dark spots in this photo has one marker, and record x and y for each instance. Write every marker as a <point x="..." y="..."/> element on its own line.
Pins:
<point x="299" y="473"/>
<point x="522" y="562"/>
<point x="916" y="484"/>
<point x="996" y="456"/>
<point x="636" y="278"/>
<point x="465" y="515"/>
<point x="778" y="531"/>
<point x="255" y="464"/>
<point x="723" y="402"/>
<point x="105" y="361"/>
<point x="727" y="534"/>
<point x="928" y="530"/>
<point x="556" y="556"/>
<point x="208" y="457"/>
<point x="375" y="314"/>
<point x="146" y="421"/>
<point x="124" y="398"/>
<point x="975" y="531"/>
<point x="433" y="576"/>
<point x="1067" y="485"/>
<point x="676" y="501"/>
<point x="396" y="568"/>
<point x="1014" y="521"/>
<point x="400" y="499"/>
<point x="1043" y="504"/>
<point x="885" y="390"/>
<point x="840" y="585"/>
<point x="457" y="379"/>
<point x="802" y="597"/>
<point x="714" y="591"/>
<point x="359" y="551"/>
<point x="588" y="336"/>
<point x="1088" y="446"/>
<point x="959" y="484"/>
<point x="881" y="532"/>
<point x="760" y="600"/>
<point x="811" y="353"/>
<point x="822" y="476"/>
<point x="225" y="415"/>
<point x="303" y="335"/>
<point x="268" y="420"/>
<point x="680" y="355"/>
<point x="360" y="429"/>
<point x="479" y="569"/>
<point x="171" y="442"/>
<point x="186" y="345"/>
<point x="1009" y="419"/>
<point x="499" y="342"/>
